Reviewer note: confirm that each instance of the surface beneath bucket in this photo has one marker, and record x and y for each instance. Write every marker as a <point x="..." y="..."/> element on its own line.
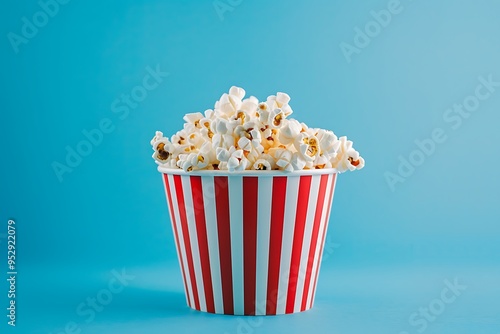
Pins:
<point x="350" y="299"/>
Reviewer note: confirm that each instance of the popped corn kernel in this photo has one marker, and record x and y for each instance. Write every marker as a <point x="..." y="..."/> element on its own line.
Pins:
<point x="244" y="133"/>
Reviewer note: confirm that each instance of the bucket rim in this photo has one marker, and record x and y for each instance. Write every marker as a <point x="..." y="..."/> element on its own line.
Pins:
<point x="263" y="173"/>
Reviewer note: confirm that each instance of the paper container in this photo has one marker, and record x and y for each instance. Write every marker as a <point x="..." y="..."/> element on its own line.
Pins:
<point x="249" y="243"/>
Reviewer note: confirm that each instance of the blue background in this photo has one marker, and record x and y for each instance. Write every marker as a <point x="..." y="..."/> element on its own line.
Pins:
<point x="389" y="251"/>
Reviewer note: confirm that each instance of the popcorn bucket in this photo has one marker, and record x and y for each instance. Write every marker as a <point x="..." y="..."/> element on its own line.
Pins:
<point x="249" y="243"/>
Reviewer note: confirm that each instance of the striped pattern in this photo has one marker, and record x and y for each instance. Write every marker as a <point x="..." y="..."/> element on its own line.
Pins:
<point x="260" y="258"/>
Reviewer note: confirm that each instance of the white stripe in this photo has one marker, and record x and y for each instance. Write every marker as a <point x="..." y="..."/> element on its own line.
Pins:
<point x="263" y="236"/>
<point x="173" y="232"/>
<point x="311" y="210"/>
<point x="292" y="191"/>
<point x="181" y="239"/>
<point x="334" y="183"/>
<point x="330" y="203"/>
<point x="319" y="245"/>
<point x="193" y="236"/>
<point x="213" y="239"/>
<point x="236" y="219"/>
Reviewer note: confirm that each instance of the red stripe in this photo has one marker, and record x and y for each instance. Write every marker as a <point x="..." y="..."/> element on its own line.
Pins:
<point x="224" y="234"/>
<point x="250" y="200"/>
<point x="172" y="216"/>
<point x="201" y="231"/>
<point x="185" y="233"/>
<point x="314" y="238"/>
<point x="276" y="239"/>
<point x="327" y="218"/>
<point x="298" y="239"/>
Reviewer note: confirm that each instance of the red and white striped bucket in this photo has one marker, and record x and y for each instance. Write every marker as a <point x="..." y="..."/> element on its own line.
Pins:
<point x="249" y="243"/>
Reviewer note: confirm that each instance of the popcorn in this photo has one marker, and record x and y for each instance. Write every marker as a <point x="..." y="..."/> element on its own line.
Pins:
<point x="262" y="107"/>
<point x="289" y="131"/>
<point x="263" y="114"/>
<point x="200" y="159"/>
<point x="179" y="138"/>
<point x="205" y="130"/>
<point x="223" y="133"/>
<point x="183" y="162"/>
<point x="243" y="133"/>
<point x="237" y="91"/>
<point x="322" y="161"/>
<point x="157" y="137"/>
<point x="276" y="118"/>
<point x="269" y="137"/>
<point x="328" y="142"/>
<point x="254" y="154"/>
<point x="249" y="136"/>
<point x="228" y="104"/>
<point x="193" y="118"/>
<point x="262" y="164"/>
<point x="280" y="101"/>
<point x="235" y="159"/>
<point x="240" y="118"/>
<point x="250" y="105"/>
<point x="307" y="146"/>
<point x="210" y="114"/>
<point x="272" y="118"/>
<point x="265" y="162"/>
<point x="163" y="150"/>
<point x="288" y="161"/>
<point x="347" y="158"/>
<point x="195" y="139"/>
